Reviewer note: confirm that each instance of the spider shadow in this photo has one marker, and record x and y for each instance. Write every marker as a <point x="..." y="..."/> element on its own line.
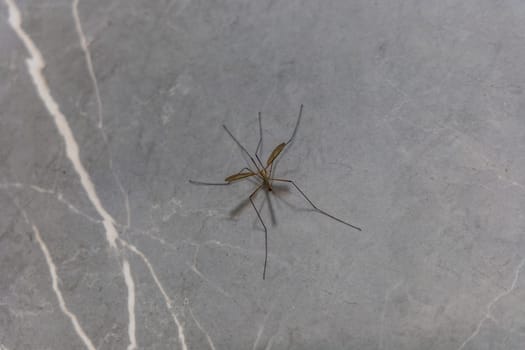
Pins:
<point x="277" y="190"/>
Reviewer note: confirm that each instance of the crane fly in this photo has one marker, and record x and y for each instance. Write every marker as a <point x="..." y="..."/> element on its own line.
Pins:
<point x="264" y="173"/>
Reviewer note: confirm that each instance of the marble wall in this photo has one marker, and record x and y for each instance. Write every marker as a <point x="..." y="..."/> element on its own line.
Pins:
<point x="412" y="129"/>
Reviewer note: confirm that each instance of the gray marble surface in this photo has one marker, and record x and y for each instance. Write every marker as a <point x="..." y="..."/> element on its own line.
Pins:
<point x="413" y="128"/>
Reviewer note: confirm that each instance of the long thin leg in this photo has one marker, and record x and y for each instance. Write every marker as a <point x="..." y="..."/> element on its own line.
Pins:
<point x="193" y="182"/>
<point x="315" y="207"/>
<point x="259" y="160"/>
<point x="296" y="125"/>
<point x="264" y="226"/>
<point x="290" y="140"/>
<point x="259" y="144"/>
<point x="242" y="147"/>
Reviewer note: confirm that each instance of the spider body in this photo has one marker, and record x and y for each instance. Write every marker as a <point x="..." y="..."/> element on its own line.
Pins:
<point x="264" y="172"/>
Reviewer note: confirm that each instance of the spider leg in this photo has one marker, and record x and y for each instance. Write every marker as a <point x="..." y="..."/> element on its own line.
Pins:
<point x="259" y="144"/>
<point x="194" y="182"/>
<point x="314" y="206"/>
<point x="296" y="125"/>
<point x="264" y="226"/>
<point x="287" y="143"/>
<point x="242" y="148"/>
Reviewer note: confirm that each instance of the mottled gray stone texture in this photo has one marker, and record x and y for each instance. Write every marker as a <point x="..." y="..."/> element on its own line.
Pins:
<point x="413" y="129"/>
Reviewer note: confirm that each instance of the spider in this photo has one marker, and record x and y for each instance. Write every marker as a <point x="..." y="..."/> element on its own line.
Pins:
<point x="264" y="173"/>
